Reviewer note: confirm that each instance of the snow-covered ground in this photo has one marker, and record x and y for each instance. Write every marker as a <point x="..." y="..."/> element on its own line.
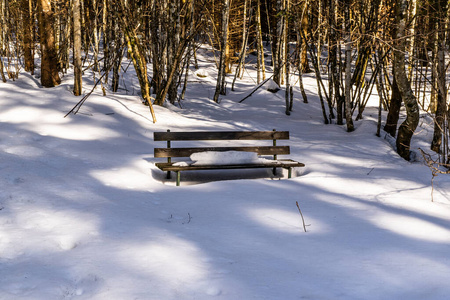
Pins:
<point x="85" y="214"/>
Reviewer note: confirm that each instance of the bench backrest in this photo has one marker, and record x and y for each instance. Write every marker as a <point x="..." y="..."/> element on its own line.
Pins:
<point x="221" y="136"/>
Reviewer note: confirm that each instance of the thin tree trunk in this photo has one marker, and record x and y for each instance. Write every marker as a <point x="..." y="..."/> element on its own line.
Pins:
<point x="348" y="68"/>
<point x="300" y="46"/>
<point x="220" y="85"/>
<point x="105" y="36"/>
<point x="173" y="41"/>
<point x="277" y="55"/>
<point x="243" y="52"/>
<point x="259" y="45"/>
<point x="286" y="60"/>
<point x="77" y="87"/>
<point x="95" y="29"/>
<point x="67" y="38"/>
<point x="335" y="82"/>
<point x="304" y="65"/>
<point x="441" y="7"/>
<point x="2" y="73"/>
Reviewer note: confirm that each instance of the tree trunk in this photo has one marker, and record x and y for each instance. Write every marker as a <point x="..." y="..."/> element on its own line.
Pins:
<point x="304" y="65"/>
<point x="440" y="9"/>
<point x="27" y="36"/>
<point x="95" y="29"/>
<point x="137" y="55"/>
<point x="394" y="109"/>
<point x="243" y="51"/>
<point x="348" y="66"/>
<point x="286" y="61"/>
<point x="335" y="80"/>
<point x="3" y="31"/>
<point x="220" y="85"/>
<point x="49" y="60"/>
<point x="407" y="128"/>
<point x="278" y="52"/>
<point x="77" y="87"/>
<point x="2" y="73"/>
<point x="261" y="69"/>
<point x="105" y="38"/>
<point x="174" y="31"/>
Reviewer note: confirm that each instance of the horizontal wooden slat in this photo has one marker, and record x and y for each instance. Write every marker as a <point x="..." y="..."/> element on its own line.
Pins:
<point x="186" y="152"/>
<point x="275" y="164"/>
<point x="220" y="135"/>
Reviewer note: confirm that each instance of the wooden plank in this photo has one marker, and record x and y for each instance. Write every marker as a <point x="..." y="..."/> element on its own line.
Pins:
<point x="220" y="135"/>
<point x="277" y="164"/>
<point x="186" y="152"/>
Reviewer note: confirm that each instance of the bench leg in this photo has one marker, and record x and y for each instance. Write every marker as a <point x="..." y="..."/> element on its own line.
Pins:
<point x="274" y="171"/>
<point x="178" y="178"/>
<point x="289" y="172"/>
<point x="168" y="175"/>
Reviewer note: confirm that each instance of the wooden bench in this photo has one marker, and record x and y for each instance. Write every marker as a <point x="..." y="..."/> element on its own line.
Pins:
<point x="226" y="137"/>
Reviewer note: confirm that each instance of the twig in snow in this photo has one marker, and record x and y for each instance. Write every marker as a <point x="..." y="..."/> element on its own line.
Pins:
<point x="189" y="219"/>
<point x="300" y="211"/>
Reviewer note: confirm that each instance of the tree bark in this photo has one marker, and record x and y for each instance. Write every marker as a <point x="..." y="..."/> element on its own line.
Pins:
<point x="394" y="109"/>
<point x="49" y="61"/>
<point x="286" y="60"/>
<point x="278" y="43"/>
<point x="334" y="74"/>
<point x="77" y="87"/>
<point x="348" y="66"/>
<point x="27" y="36"/>
<point x="304" y="65"/>
<point x="440" y="10"/>
<point x="407" y="128"/>
<point x="261" y="68"/>
<point x="220" y="85"/>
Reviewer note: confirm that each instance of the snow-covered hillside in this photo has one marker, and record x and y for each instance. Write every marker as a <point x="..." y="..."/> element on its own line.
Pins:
<point x="85" y="214"/>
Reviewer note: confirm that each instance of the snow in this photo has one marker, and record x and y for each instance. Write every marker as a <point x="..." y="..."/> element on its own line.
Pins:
<point x="224" y="158"/>
<point x="271" y="86"/>
<point x="85" y="214"/>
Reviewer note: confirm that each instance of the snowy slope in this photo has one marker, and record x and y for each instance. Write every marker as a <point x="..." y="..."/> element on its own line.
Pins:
<point x="85" y="214"/>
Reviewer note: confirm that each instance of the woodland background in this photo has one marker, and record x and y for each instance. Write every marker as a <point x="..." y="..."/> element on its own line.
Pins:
<point x="396" y="49"/>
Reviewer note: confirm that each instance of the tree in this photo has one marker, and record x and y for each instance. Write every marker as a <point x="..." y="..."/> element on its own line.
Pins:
<point x="135" y="49"/>
<point x="348" y="67"/>
<point x="261" y="68"/>
<point x="77" y="48"/>
<point x="28" y="49"/>
<point x="220" y="85"/>
<point x="49" y="61"/>
<point x="407" y="128"/>
<point x="334" y="63"/>
<point x="439" y="9"/>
